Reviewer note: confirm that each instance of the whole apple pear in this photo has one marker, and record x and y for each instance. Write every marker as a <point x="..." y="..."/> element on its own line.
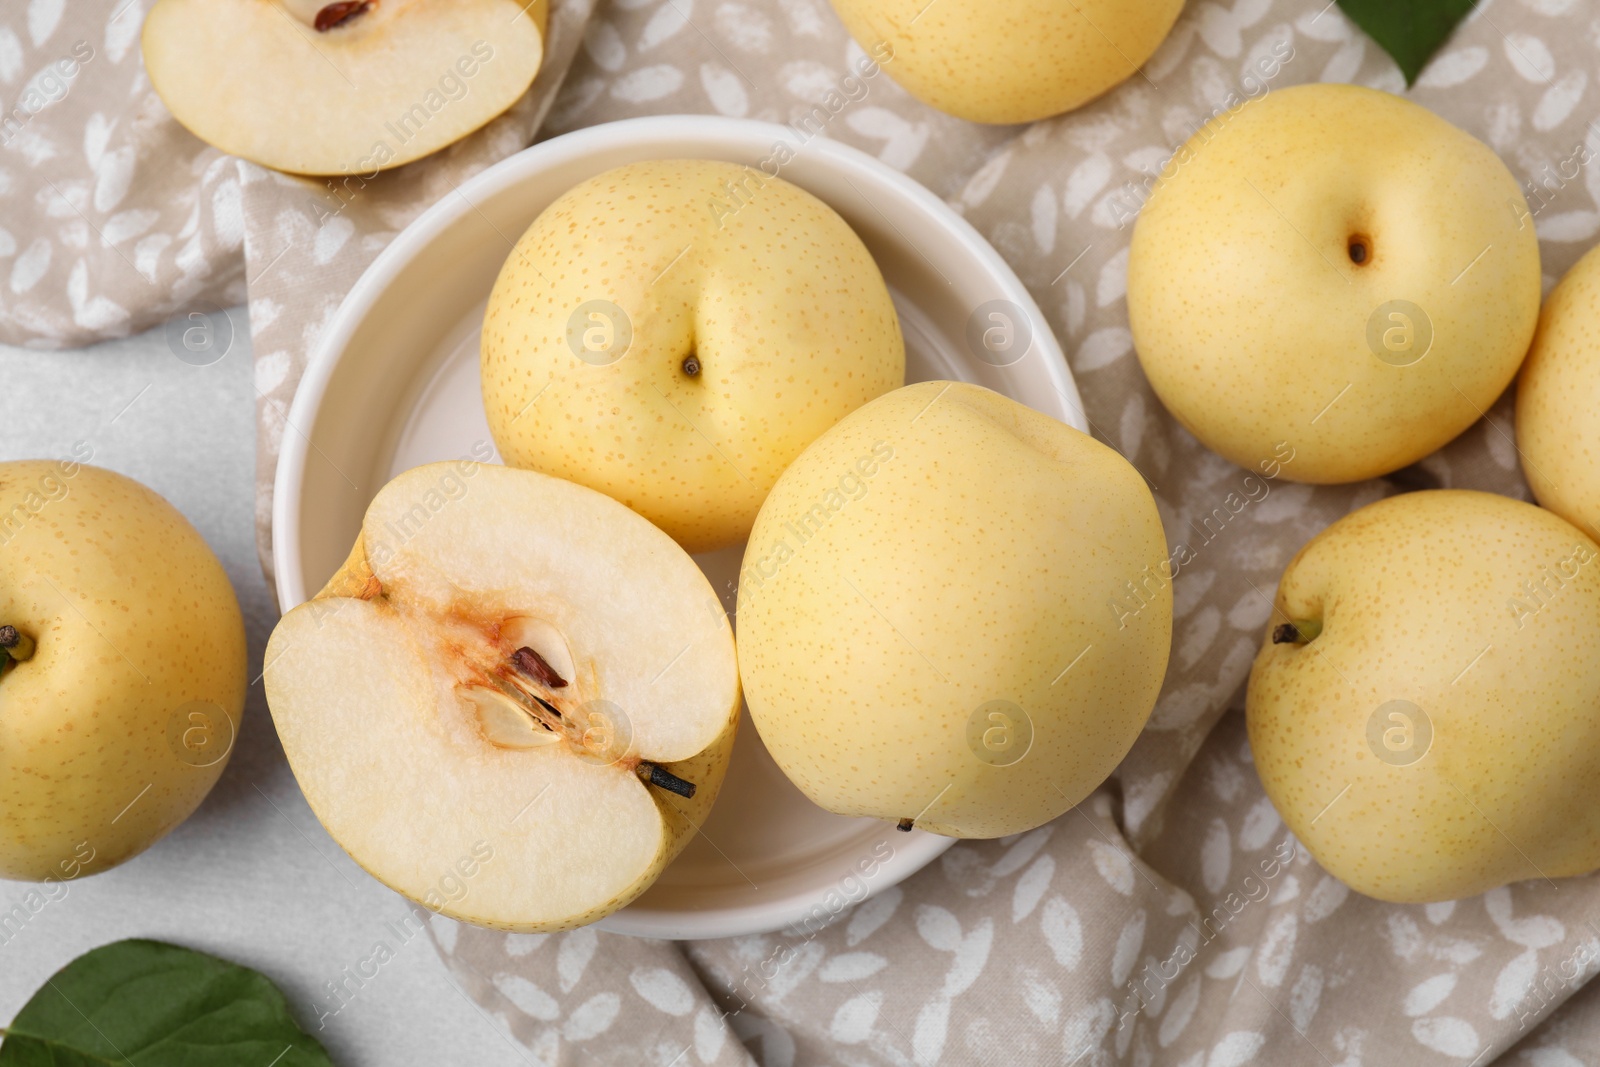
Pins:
<point x="674" y="332"/>
<point x="1423" y="712"/>
<point x="952" y="613"/>
<point x="1013" y="62"/>
<point x="122" y="699"/>
<point x="1558" y="394"/>
<point x="1334" y="267"/>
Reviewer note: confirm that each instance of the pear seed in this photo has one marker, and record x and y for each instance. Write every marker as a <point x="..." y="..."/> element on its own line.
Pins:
<point x="338" y="14"/>
<point x="537" y="667"/>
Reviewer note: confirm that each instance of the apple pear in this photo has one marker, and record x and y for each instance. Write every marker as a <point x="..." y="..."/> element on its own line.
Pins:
<point x="674" y="332"/>
<point x="514" y="687"/>
<point x="1422" y="713"/>
<point x="122" y="669"/>
<point x="348" y="88"/>
<point x="1013" y="62"/>
<point x="1336" y="268"/>
<point x="938" y="621"/>
<point x="1558" y="394"/>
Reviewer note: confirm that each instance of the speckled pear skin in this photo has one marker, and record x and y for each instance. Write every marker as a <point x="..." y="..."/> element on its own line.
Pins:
<point x="1256" y="326"/>
<point x="764" y="284"/>
<point x="133" y="618"/>
<point x="1422" y="598"/>
<point x="941" y="549"/>
<point x="1014" y="62"/>
<point x="1558" y="393"/>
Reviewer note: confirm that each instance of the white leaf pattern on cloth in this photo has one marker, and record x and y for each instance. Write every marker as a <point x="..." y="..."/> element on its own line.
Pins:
<point x="852" y="1022"/>
<point x="1236" y="1049"/>
<point x="852" y="967"/>
<point x="1031" y="888"/>
<point x="527" y="997"/>
<point x="663" y="990"/>
<point x="1062" y="932"/>
<point x="1447" y="1034"/>
<point x="593" y="1017"/>
<point x="577" y="949"/>
<point x="1429" y="994"/>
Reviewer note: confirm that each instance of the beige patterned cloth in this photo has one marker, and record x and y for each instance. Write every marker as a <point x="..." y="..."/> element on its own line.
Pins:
<point x="1171" y="919"/>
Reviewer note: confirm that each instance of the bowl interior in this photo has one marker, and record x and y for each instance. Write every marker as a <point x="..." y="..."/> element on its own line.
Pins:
<point x="395" y="384"/>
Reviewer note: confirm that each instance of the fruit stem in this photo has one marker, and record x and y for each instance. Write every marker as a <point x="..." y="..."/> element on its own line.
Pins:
<point x="657" y="775"/>
<point x="18" y="645"/>
<point x="904" y="825"/>
<point x="1298" y="632"/>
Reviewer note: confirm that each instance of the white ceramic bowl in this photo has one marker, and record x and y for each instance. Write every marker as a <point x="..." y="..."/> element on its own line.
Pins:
<point x="394" y="383"/>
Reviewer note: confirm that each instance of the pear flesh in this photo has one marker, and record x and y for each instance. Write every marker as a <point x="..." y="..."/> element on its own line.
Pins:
<point x="340" y="88"/>
<point x="512" y="675"/>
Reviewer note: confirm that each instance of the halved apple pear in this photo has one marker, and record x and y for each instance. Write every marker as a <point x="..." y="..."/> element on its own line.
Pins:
<point x="340" y="88"/>
<point x="514" y="703"/>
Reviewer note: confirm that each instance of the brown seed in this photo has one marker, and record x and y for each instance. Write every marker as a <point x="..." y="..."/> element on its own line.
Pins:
<point x="536" y="667"/>
<point x="338" y="14"/>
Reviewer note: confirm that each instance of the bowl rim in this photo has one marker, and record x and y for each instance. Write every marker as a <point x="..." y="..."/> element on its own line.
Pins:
<point x="914" y="850"/>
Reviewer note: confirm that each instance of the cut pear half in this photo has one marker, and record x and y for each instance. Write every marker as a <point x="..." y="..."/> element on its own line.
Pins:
<point x="514" y="703"/>
<point x="340" y="88"/>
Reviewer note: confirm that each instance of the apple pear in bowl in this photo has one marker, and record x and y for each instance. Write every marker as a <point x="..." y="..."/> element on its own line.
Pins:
<point x="954" y="613"/>
<point x="348" y="88"/>
<point x="122" y="669"/>
<point x="1423" y="710"/>
<point x="515" y="676"/>
<point x="1336" y="268"/>
<point x="674" y="332"/>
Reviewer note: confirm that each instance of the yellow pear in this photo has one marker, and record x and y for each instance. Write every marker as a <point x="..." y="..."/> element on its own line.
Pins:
<point x="1013" y="62"/>
<point x="1336" y="268"/>
<point x="514" y="703"/>
<point x="126" y="676"/>
<point x="1423" y="712"/>
<point x="1558" y="398"/>
<point x="348" y="88"/>
<point x="673" y="333"/>
<point x="954" y="613"/>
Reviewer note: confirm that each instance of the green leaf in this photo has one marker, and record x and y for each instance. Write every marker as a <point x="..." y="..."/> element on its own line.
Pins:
<point x="149" y="1004"/>
<point x="1409" y="30"/>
